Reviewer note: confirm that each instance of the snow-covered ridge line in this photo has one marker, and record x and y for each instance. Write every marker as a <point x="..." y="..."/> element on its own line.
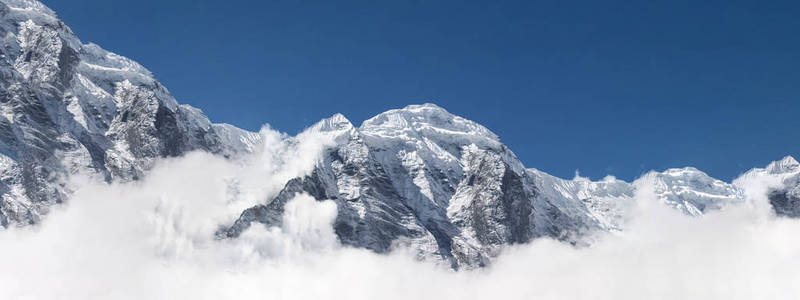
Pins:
<point x="417" y="177"/>
<point x="450" y="189"/>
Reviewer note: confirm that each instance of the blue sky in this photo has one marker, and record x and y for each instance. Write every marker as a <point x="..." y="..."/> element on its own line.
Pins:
<point x="604" y="87"/>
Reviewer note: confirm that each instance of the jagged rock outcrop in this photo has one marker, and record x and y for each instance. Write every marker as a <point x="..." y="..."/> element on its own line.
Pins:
<point x="69" y="107"/>
<point x="448" y="188"/>
<point x="785" y="198"/>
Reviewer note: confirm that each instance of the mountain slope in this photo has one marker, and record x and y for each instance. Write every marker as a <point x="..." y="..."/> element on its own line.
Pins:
<point x="448" y="188"/>
<point x="784" y="176"/>
<point x="69" y="107"/>
<point x="417" y="177"/>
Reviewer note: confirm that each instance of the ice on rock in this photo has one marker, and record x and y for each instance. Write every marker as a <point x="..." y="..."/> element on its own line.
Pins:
<point x="417" y="177"/>
<point x="784" y="166"/>
<point x="72" y="108"/>
<point x="432" y="122"/>
<point x="459" y="195"/>
<point x="693" y="191"/>
<point x="783" y="179"/>
<point x="337" y="122"/>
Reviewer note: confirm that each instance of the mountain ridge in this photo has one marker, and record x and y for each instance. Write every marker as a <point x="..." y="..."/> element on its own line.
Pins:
<point x="467" y="194"/>
<point x="70" y="107"/>
<point x="417" y="177"/>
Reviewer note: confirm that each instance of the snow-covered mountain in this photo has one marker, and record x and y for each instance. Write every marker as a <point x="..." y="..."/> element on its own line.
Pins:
<point x="448" y="188"/>
<point x="417" y="177"/>
<point x="69" y="107"/>
<point x="785" y="174"/>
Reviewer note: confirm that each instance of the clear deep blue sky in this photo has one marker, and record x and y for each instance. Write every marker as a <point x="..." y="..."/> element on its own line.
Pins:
<point x="617" y="87"/>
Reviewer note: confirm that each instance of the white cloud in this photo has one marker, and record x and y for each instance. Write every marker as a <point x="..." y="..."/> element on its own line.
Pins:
<point x="154" y="240"/>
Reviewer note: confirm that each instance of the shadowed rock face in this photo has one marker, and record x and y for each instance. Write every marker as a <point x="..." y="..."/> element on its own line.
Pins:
<point x="271" y="214"/>
<point x="785" y="204"/>
<point x="447" y="188"/>
<point x="69" y="107"/>
<point x="423" y="178"/>
<point x="786" y="200"/>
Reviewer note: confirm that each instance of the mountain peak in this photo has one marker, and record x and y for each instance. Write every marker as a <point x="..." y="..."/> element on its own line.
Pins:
<point x="424" y="106"/>
<point x="786" y="165"/>
<point x="683" y="172"/>
<point x="415" y="113"/>
<point x="429" y="120"/>
<point x="18" y="11"/>
<point x="337" y="122"/>
<point x="29" y="5"/>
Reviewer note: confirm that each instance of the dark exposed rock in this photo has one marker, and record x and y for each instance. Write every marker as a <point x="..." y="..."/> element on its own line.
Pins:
<point x="69" y="107"/>
<point x="785" y="204"/>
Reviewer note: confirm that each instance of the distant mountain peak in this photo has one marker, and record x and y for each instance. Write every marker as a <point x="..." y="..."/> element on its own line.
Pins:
<point x="786" y="165"/>
<point x="337" y="122"/>
<point x="429" y="106"/>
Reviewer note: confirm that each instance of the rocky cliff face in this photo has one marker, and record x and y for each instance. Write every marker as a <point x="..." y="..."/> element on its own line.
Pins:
<point x="424" y="178"/>
<point x="69" y="107"/>
<point x="417" y="177"/>
<point x="785" y="197"/>
<point x="447" y="187"/>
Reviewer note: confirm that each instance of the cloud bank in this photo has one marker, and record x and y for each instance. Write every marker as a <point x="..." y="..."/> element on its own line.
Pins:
<point x="154" y="239"/>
